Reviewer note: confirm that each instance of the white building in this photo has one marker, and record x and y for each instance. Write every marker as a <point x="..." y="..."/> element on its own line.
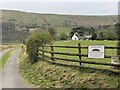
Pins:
<point x="88" y="36"/>
<point x="75" y="37"/>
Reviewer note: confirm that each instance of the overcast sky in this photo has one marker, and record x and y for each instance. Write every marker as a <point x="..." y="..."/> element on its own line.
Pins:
<point x="74" y="7"/>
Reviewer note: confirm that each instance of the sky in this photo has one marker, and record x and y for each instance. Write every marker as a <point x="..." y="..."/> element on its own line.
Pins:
<point x="70" y="7"/>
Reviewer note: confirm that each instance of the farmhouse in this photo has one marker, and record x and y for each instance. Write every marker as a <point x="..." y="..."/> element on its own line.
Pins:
<point x="75" y="37"/>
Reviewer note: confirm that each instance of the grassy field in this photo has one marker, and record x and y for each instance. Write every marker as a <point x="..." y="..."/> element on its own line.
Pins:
<point x="45" y="75"/>
<point x="4" y="59"/>
<point x="110" y="52"/>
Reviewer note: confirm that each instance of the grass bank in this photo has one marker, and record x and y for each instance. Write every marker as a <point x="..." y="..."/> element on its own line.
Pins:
<point x="45" y="75"/>
<point x="5" y="58"/>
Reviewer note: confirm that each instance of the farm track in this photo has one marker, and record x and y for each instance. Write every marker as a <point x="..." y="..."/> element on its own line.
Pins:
<point x="10" y="77"/>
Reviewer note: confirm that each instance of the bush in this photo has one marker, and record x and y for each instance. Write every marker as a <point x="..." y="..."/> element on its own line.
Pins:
<point x="107" y="35"/>
<point x="110" y="35"/>
<point x="52" y="31"/>
<point x="63" y="36"/>
<point x="34" y="42"/>
<point x="94" y="36"/>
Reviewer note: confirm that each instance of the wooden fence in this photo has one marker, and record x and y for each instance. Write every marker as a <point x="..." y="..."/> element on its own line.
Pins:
<point x="51" y="58"/>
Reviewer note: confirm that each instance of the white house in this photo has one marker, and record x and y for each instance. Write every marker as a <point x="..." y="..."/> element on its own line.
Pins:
<point x="75" y="37"/>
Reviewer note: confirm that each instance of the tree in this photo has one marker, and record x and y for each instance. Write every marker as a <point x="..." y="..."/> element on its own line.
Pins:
<point x="94" y="35"/>
<point x="101" y="36"/>
<point x="107" y="34"/>
<point x="52" y="31"/>
<point x="80" y="30"/>
<point x="71" y="34"/>
<point x="110" y="35"/>
<point x="34" y="42"/>
<point x="63" y="36"/>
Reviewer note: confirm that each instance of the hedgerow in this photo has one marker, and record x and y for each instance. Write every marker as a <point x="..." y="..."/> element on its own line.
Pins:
<point x="34" y="42"/>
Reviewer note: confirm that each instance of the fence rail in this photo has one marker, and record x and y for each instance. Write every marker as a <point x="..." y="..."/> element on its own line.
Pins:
<point x="83" y="47"/>
<point x="70" y="54"/>
<point x="79" y="54"/>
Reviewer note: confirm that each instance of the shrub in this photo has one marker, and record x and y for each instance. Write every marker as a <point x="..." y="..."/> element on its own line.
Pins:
<point x="107" y="35"/>
<point x="63" y="36"/>
<point x="34" y="42"/>
<point x="52" y="31"/>
<point x="94" y="36"/>
<point x="110" y="35"/>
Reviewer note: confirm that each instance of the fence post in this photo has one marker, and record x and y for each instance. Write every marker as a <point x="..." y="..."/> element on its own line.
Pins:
<point x="52" y="53"/>
<point x="79" y="51"/>
<point x="43" y="52"/>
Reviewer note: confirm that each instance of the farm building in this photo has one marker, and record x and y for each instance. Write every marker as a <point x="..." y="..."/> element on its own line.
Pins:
<point x="88" y="36"/>
<point x="75" y="37"/>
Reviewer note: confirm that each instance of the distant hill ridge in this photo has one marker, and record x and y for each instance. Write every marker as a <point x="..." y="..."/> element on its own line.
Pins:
<point x="29" y="19"/>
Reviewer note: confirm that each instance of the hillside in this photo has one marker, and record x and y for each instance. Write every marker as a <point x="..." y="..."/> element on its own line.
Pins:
<point x="13" y="20"/>
<point x="25" y="18"/>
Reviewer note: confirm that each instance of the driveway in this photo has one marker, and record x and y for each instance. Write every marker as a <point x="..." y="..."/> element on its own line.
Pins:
<point x="10" y="74"/>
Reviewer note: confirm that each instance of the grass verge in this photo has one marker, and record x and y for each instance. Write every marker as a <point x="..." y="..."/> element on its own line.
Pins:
<point x="45" y="75"/>
<point x="7" y="46"/>
<point x="5" y="58"/>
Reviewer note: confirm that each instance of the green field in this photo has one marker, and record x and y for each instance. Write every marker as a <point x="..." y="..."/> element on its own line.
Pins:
<point x="109" y="52"/>
<point x="86" y="43"/>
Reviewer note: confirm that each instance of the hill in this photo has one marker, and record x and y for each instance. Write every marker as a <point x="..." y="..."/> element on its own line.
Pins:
<point x="21" y="20"/>
<point x="25" y="18"/>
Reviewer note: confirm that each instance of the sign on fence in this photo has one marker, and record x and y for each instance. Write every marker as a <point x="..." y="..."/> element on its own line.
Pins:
<point x="96" y="51"/>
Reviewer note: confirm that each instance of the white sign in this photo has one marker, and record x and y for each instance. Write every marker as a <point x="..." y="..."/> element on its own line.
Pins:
<point x="96" y="51"/>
